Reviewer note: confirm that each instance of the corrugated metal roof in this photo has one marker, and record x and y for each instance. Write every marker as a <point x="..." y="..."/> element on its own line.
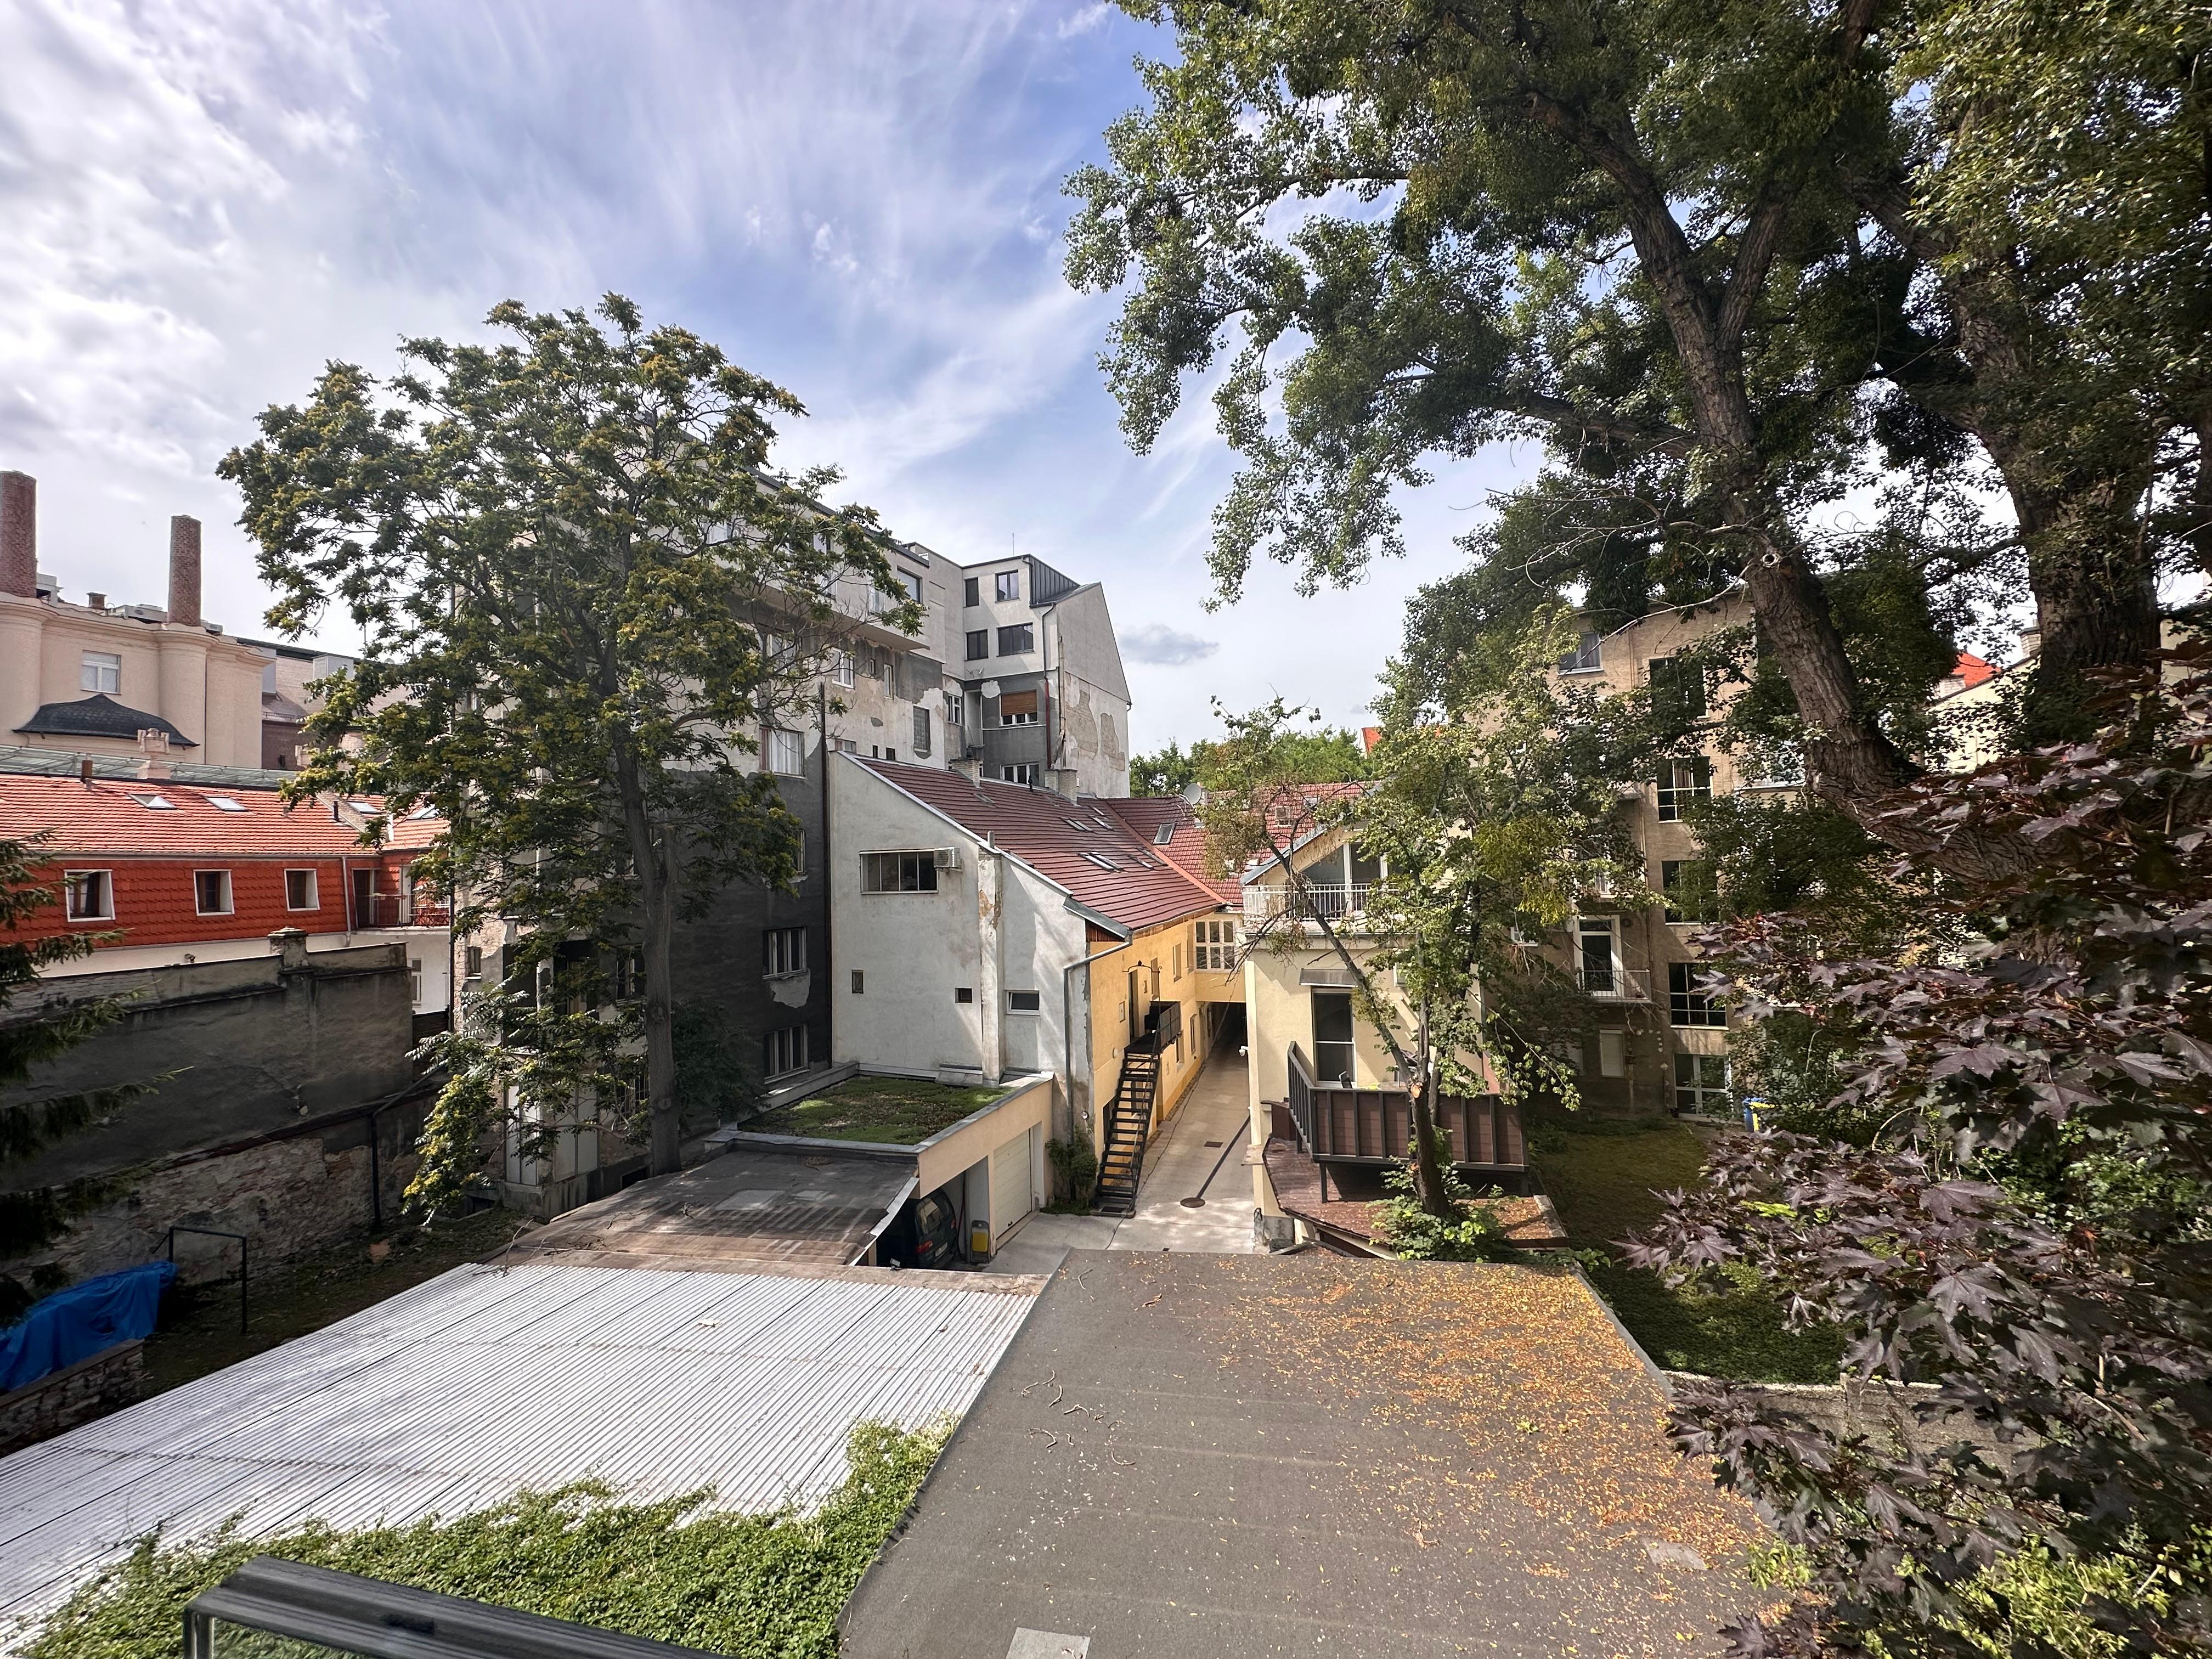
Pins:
<point x="460" y="1392"/>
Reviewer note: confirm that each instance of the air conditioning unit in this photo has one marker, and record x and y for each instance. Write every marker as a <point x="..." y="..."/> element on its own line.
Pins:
<point x="946" y="858"/>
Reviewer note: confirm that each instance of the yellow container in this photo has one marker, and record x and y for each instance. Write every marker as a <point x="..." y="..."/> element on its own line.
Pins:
<point x="979" y="1240"/>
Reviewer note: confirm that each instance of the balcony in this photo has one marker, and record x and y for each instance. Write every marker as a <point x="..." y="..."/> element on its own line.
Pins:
<point x="1603" y="983"/>
<point x="1375" y="1126"/>
<point x="1333" y="904"/>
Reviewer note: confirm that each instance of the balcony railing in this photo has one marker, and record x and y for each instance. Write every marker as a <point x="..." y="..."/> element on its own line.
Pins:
<point x="1375" y="1126"/>
<point x="1616" y="983"/>
<point x="1332" y="903"/>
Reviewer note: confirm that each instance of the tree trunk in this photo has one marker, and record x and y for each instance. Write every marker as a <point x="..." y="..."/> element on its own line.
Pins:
<point x="650" y="851"/>
<point x="1421" y="1126"/>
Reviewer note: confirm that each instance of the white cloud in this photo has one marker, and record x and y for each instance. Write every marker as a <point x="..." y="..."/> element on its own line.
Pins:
<point x="1167" y="647"/>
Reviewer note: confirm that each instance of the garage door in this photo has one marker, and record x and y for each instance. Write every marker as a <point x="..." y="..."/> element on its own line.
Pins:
<point x="1010" y="1184"/>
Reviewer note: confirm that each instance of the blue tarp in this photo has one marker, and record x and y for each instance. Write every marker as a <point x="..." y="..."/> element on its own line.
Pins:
<point x="78" y="1323"/>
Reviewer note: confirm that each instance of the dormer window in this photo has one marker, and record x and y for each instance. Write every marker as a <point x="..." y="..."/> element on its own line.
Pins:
<point x="101" y="670"/>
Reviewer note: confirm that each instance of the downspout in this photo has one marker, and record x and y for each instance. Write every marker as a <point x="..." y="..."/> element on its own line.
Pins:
<point x="828" y="910"/>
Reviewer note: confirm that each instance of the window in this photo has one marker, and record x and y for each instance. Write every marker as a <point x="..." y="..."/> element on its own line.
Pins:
<point x="1177" y="958"/>
<point x="890" y="754"/>
<point x="1678" y="689"/>
<point x="1331" y="1034"/>
<point x="91" y="895"/>
<point x="1020" y="772"/>
<point x="211" y="892"/>
<point x="414" y="979"/>
<point x="971" y="590"/>
<point x="102" y="671"/>
<point x="774" y="646"/>
<point x="964" y="993"/>
<point x="898" y="872"/>
<point x="1023" y="1002"/>
<point x="225" y="803"/>
<point x="1682" y="783"/>
<point x="1101" y="860"/>
<point x="873" y="662"/>
<point x="155" y="803"/>
<point x="629" y="975"/>
<point x="1018" y="709"/>
<point x="860" y="982"/>
<point x="846" y="746"/>
<point x="1014" y="641"/>
<point x="841" y="667"/>
<point x="784" y="1051"/>
<point x="783" y="951"/>
<point x="1596" y="944"/>
<point x="1613" y="1053"/>
<point x="955" y="710"/>
<point x="1587" y="657"/>
<point x="910" y="583"/>
<point x="1213" y="946"/>
<point x="979" y="644"/>
<point x="1689" y="890"/>
<point x="920" y="730"/>
<point x="1007" y="584"/>
<point x="472" y="961"/>
<point x="1164" y="834"/>
<point x="1701" y="1086"/>
<point x="1686" y="1004"/>
<point x="787" y="751"/>
<point x="299" y="891"/>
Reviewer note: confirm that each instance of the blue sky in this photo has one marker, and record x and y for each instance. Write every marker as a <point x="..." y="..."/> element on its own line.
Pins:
<point x="207" y="201"/>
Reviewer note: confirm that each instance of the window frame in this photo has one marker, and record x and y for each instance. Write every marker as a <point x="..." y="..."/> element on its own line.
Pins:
<point x="1213" y="944"/>
<point x="96" y="666"/>
<point x="783" y="952"/>
<point x="1017" y="638"/>
<point x="314" y="891"/>
<point x="1006" y="586"/>
<point x="70" y="880"/>
<point x="1587" y="656"/>
<point x="1698" y="1089"/>
<point x="230" y="892"/>
<point x="1023" y="773"/>
<point x="925" y="864"/>
<point x="971" y="590"/>
<point x="778" y="738"/>
<point x="979" y="644"/>
<point x="1673" y="793"/>
<point x="1688" y="1008"/>
<point x="788" y="1044"/>
<point x="1032" y="715"/>
<point x="1015" y="1005"/>
<point x="472" y="961"/>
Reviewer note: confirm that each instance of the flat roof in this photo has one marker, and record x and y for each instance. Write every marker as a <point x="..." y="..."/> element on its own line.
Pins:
<point x="453" y="1395"/>
<point x="744" y="1208"/>
<point x="1245" y="1456"/>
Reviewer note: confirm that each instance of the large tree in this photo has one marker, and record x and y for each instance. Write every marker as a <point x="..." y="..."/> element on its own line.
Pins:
<point x="584" y="601"/>
<point x="1701" y="251"/>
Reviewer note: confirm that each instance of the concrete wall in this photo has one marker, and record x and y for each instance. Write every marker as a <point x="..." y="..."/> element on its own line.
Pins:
<point x="261" y="1128"/>
<point x="993" y="927"/>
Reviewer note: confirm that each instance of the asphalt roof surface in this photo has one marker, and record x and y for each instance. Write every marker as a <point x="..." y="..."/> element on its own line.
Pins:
<point x="1235" y="1456"/>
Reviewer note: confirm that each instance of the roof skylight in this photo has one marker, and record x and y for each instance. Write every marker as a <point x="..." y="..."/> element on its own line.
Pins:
<point x="155" y="803"/>
<point x="225" y="803"/>
<point x="1164" y="834"/>
<point x="1102" y="861"/>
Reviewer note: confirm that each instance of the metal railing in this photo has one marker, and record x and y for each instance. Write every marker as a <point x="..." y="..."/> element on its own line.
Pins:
<point x="1613" y="982"/>
<point x="1330" y="903"/>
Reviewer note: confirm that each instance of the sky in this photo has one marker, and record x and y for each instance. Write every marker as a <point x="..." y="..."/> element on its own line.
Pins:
<point x="205" y="202"/>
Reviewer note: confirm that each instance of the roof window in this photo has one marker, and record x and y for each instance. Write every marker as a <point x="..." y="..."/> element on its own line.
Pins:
<point x="1164" y="834"/>
<point x="225" y="803"/>
<point x="423" y="812"/>
<point x="155" y="803"/>
<point x="1079" y="823"/>
<point x="1102" y="860"/>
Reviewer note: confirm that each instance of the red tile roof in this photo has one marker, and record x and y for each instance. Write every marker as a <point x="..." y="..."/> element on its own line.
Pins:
<point x="1051" y="834"/>
<point x="1971" y="670"/>
<point x="1185" y="849"/>
<point x="110" y="816"/>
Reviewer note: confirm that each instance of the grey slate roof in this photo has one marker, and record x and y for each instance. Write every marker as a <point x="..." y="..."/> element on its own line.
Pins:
<point x="63" y="763"/>
<point x="99" y="716"/>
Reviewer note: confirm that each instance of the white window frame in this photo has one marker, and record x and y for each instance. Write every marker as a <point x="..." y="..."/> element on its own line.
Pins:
<point x="314" y="891"/>
<point x="229" y="894"/>
<point x="784" y="1051"/>
<point x="783" y="951"/>
<point x="786" y="752"/>
<point x="1699" y="1093"/>
<point x="1022" y="772"/>
<point x="70" y="888"/>
<point x="1684" y="784"/>
<point x="1213" y="944"/>
<point x="872" y="869"/>
<point x="841" y="667"/>
<point x="100" y="672"/>
<point x="955" y="708"/>
<point x="1036" y="1003"/>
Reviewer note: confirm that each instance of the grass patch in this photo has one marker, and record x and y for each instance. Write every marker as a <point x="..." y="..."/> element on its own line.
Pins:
<point x="1605" y="1184"/>
<point x="747" y="1585"/>
<point x="897" y="1110"/>
<point x="199" y="1329"/>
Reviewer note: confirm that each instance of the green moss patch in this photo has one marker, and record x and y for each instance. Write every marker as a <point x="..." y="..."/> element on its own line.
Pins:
<point x="900" y="1110"/>
<point x="1605" y="1181"/>
<point x="752" y="1586"/>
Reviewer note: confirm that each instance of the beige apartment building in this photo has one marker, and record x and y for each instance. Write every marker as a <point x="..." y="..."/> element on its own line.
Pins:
<point x="93" y="677"/>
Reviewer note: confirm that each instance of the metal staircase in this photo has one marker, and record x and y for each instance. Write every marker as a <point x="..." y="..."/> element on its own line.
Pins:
<point x="1129" y="1127"/>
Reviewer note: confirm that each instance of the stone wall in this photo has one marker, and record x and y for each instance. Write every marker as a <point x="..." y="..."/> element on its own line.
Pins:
<point x="96" y="1385"/>
<point x="270" y="1072"/>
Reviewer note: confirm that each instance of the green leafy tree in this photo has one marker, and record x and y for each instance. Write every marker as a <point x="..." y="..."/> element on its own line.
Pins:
<point x="31" y="1035"/>
<point x="1330" y="754"/>
<point x="583" y="598"/>
<point x="1699" y="252"/>
<point x="1168" y="772"/>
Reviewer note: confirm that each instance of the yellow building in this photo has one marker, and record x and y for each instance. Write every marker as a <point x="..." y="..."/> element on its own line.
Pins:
<point x="93" y="677"/>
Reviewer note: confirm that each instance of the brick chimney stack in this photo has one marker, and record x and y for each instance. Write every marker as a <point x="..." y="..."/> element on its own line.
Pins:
<point x="185" y="570"/>
<point x="19" y="534"/>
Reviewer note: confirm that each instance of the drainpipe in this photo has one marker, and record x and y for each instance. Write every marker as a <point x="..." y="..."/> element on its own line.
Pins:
<point x="828" y="908"/>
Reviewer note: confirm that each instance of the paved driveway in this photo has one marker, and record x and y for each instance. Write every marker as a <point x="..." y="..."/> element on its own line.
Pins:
<point x="1200" y="1154"/>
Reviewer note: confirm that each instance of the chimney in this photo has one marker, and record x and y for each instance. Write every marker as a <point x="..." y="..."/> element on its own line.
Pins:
<point x="290" y="944"/>
<point x="84" y="770"/>
<point x="184" y="571"/>
<point x="97" y="601"/>
<point x="19" y="534"/>
<point x="1063" y="780"/>
<point x="156" y="743"/>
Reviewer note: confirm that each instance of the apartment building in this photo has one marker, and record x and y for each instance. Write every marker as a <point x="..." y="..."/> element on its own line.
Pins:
<point x="90" y="676"/>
